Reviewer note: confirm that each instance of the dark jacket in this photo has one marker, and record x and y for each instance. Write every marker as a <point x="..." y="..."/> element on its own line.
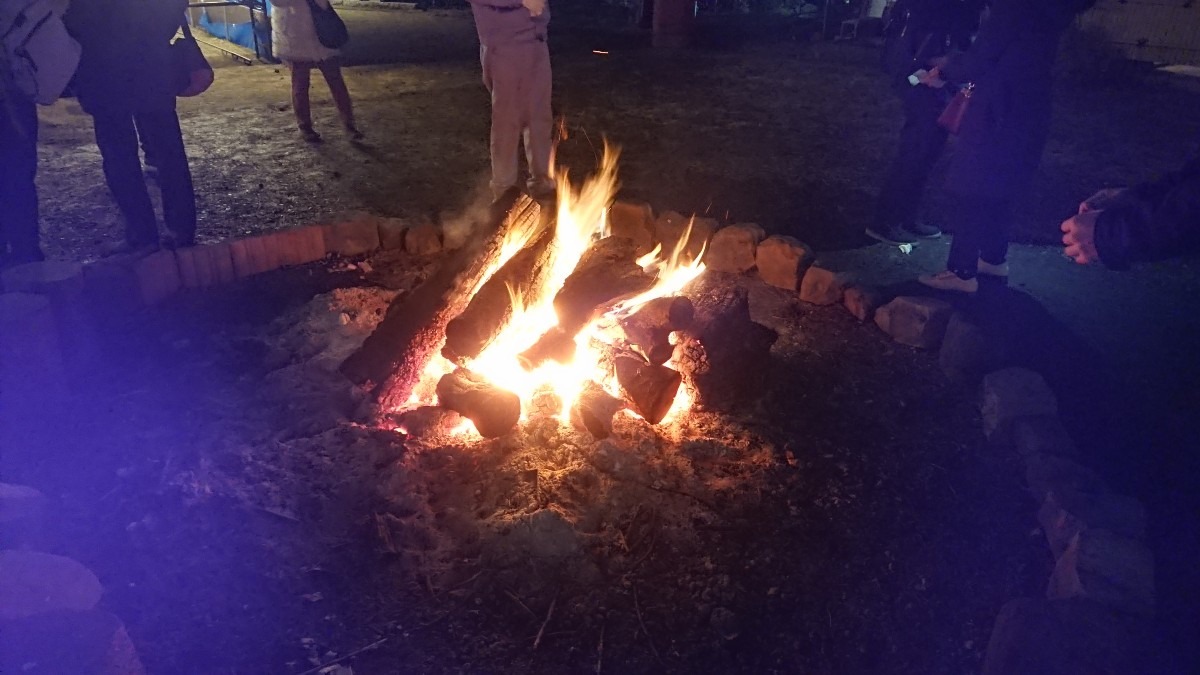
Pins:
<point x="1152" y="221"/>
<point x="920" y="30"/>
<point x="1011" y="65"/>
<point x="126" y="62"/>
<point x="507" y="22"/>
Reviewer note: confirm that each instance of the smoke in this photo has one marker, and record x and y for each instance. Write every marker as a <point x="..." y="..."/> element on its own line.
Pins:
<point x="458" y="226"/>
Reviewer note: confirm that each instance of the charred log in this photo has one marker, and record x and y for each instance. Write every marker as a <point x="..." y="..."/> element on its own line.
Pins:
<point x="594" y="411"/>
<point x="392" y="358"/>
<point x="492" y="307"/>
<point x="426" y="421"/>
<point x="725" y="356"/>
<point x="494" y="411"/>
<point x="651" y="388"/>
<point x="649" y="329"/>
<point x="606" y="273"/>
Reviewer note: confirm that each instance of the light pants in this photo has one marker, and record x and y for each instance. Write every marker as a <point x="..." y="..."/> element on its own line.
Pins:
<point x="519" y="80"/>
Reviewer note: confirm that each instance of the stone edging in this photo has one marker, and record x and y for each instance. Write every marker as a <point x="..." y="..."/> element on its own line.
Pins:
<point x="1100" y="596"/>
<point x="373" y="4"/>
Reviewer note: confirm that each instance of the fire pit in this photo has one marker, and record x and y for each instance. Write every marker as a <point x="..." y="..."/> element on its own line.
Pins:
<point x="549" y="314"/>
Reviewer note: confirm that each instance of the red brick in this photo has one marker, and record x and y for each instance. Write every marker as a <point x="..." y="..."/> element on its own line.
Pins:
<point x="158" y="277"/>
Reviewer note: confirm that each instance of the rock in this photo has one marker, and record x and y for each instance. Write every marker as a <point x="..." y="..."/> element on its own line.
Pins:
<point x="733" y="248"/>
<point x="915" y="321"/>
<point x="1067" y="513"/>
<point x="671" y="228"/>
<point x="423" y="239"/>
<point x="35" y="583"/>
<point x="1042" y="435"/>
<point x="1012" y="393"/>
<point x="1047" y="473"/>
<point x="19" y="502"/>
<point x="1064" y="637"/>
<point x="300" y="246"/>
<point x="1112" y="570"/>
<point x="821" y="286"/>
<point x="356" y="234"/>
<point x="861" y="302"/>
<point x="782" y="260"/>
<point x="392" y="232"/>
<point x="966" y="353"/>
<point x="634" y="222"/>
<point x="725" y="623"/>
<point x="92" y="642"/>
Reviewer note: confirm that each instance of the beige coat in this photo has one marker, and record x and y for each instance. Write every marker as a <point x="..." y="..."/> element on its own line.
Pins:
<point x="294" y="38"/>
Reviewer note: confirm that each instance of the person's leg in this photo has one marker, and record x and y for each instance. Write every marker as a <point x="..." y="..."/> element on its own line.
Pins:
<point x="332" y="71"/>
<point x="162" y="136"/>
<point x="972" y="219"/>
<point x="921" y="143"/>
<point x="301" y="106"/>
<point x="118" y="143"/>
<point x="993" y="241"/>
<point x="18" y="190"/>
<point x="502" y="76"/>
<point x="539" y="134"/>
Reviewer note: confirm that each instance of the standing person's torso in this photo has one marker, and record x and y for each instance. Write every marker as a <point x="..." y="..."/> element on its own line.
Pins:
<point x="126" y="61"/>
<point x="293" y="33"/>
<point x="500" y="25"/>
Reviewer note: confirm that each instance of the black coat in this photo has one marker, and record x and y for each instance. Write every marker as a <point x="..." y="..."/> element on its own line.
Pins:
<point x="126" y="63"/>
<point x="1011" y="65"/>
<point x="1153" y="220"/>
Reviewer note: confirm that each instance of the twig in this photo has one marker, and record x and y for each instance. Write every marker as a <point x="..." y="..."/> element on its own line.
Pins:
<point x="642" y="623"/>
<point x="518" y="601"/>
<point x="600" y="652"/>
<point x="351" y="655"/>
<point x="473" y="578"/>
<point x="542" y="630"/>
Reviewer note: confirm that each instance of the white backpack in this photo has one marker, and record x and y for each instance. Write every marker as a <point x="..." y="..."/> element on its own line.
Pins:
<point x="41" y="55"/>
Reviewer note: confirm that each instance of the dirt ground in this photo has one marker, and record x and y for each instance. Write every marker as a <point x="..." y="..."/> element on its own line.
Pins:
<point x="853" y="522"/>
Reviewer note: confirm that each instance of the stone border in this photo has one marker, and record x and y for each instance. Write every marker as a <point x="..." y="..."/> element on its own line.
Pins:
<point x="374" y="4"/>
<point x="1100" y="597"/>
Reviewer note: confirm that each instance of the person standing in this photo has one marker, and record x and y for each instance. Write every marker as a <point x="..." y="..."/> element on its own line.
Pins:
<point x="1003" y="131"/>
<point x="516" y="72"/>
<point x="919" y="35"/>
<point x="295" y="42"/>
<point x="126" y="83"/>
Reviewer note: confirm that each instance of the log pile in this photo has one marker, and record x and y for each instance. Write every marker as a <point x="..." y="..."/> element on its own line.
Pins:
<point x="712" y="344"/>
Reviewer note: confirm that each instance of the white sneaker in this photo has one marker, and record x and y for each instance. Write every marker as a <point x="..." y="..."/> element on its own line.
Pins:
<point x="991" y="270"/>
<point x="949" y="281"/>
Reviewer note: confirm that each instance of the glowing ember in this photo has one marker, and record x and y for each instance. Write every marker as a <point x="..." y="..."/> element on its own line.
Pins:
<point x="581" y="220"/>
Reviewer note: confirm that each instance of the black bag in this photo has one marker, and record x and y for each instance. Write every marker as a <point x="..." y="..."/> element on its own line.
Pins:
<point x="192" y="73"/>
<point x="331" y="30"/>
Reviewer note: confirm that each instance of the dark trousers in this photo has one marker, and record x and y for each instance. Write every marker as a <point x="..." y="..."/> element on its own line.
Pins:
<point x="981" y="232"/>
<point x="921" y="144"/>
<point x="331" y="69"/>
<point x="18" y="168"/>
<point x="117" y="137"/>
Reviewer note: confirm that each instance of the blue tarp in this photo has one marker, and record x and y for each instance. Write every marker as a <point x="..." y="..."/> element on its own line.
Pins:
<point x="238" y="33"/>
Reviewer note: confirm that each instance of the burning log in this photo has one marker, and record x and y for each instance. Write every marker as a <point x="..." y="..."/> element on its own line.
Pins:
<point x="392" y="358"/>
<point x="649" y="329"/>
<point x="594" y="411"/>
<point x="725" y="355"/>
<point x="492" y="307"/>
<point x="651" y="388"/>
<point x="606" y="273"/>
<point x="494" y="411"/>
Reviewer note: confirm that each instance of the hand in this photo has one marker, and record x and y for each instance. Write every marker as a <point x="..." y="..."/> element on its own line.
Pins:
<point x="1100" y="200"/>
<point x="933" y="79"/>
<point x="1079" y="236"/>
<point x="535" y="7"/>
<point x="939" y="62"/>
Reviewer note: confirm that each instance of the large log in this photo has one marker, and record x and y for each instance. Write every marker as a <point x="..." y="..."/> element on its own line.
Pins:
<point x="725" y="356"/>
<point x="392" y="358"/>
<point x="594" y="411"/>
<point x="648" y="330"/>
<point x="487" y="314"/>
<point x="608" y="272"/>
<point x="494" y="411"/>
<point x="651" y="388"/>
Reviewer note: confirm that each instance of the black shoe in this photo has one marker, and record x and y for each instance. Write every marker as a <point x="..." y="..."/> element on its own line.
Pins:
<point x="923" y="230"/>
<point x="891" y="235"/>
